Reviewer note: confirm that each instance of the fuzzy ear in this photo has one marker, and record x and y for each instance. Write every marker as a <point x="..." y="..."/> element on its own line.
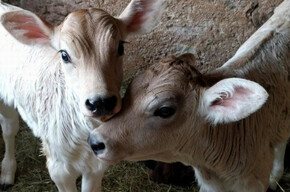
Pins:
<point x="141" y="15"/>
<point x="231" y="100"/>
<point x="26" y="27"/>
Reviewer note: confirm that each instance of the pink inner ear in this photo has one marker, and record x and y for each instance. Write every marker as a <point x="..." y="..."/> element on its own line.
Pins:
<point x="139" y="16"/>
<point x="136" y="22"/>
<point x="30" y="26"/>
<point x="239" y="94"/>
<point x="33" y="32"/>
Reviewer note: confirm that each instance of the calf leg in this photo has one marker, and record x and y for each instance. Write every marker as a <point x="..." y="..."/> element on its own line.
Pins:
<point x="249" y="184"/>
<point x="278" y="166"/>
<point x="9" y="121"/>
<point x="92" y="182"/>
<point x="208" y="181"/>
<point x="62" y="175"/>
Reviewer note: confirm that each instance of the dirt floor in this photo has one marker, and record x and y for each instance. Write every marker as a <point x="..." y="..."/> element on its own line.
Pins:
<point x="211" y="29"/>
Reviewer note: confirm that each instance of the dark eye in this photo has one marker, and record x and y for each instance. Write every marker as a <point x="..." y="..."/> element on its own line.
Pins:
<point x="164" y="112"/>
<point x="121" y="48"/>
<point x="65" y="57"/>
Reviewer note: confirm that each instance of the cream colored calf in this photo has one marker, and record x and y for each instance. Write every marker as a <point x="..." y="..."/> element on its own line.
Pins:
<point x="58" y="78"/>
<point x="214" y="122"/>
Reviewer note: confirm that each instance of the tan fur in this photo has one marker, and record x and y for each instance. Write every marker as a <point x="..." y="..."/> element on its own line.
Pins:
<point x="93" y="36"/>
<point x="227" y="157"/>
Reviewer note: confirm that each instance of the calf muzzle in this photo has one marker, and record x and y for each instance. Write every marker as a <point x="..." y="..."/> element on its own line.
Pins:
<point x="101" y="106"/>
<point x="98" y="147"/>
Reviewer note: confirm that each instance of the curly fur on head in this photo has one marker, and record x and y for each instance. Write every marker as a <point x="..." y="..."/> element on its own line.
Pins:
<point x="185" y="63"/>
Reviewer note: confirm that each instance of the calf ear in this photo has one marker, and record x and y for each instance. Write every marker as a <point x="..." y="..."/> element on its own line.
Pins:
<point x="141" y="15"/>
<point x="231" y="100"/>
<point x="26" y="27"/>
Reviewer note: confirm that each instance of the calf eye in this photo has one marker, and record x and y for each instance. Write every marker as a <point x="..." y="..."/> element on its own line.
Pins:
<point x="121" y="48"/>
<point x="65" y="57"/>
<point x="164" y="112"/>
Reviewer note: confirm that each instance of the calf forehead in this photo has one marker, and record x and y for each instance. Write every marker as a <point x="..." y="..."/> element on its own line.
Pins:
<point x="90" y="29"/>
<point x="169" y="74"/>
<point x="89" y="20"/>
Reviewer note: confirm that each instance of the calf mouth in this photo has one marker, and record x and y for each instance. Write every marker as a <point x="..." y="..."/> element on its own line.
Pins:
<point x="102" y="115"/>
<point x="106" y="118"/>
<point x="108" y="161"/>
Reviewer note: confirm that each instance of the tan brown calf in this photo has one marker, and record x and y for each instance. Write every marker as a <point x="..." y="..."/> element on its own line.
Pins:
<point x="173" y="113"/>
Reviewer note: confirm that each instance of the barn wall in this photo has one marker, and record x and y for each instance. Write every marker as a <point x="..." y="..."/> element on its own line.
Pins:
<point x="211" y="29"/>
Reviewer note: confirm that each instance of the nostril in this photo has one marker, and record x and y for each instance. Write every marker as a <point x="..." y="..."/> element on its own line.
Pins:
<point x="110" y="103"/>
<point x="91" y="104"/>
<point x="94" y="104"/>
<point x="98" y="147"/>
<point x="101" y="105"/>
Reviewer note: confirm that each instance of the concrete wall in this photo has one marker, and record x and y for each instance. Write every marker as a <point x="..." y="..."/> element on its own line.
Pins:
<point x="211" y="29"/>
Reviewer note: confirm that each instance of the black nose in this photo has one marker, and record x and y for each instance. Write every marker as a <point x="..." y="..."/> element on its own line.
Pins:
<point x="97" y="147"/>
<point x="101" y="106"/>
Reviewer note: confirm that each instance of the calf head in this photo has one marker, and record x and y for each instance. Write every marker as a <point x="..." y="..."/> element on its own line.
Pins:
<point x="164" y="109"/>
<point x="90" y="45"/>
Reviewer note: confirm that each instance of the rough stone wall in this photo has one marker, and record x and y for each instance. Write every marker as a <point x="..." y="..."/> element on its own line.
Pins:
<point x="211" y="29"/>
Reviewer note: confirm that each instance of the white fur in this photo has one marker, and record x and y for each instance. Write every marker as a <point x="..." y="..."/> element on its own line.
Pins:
<point x="31" y="81"/>
<point x="244" y="104"/>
